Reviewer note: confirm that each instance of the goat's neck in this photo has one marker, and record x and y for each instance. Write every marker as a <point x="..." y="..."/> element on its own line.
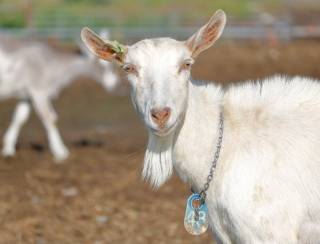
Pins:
<point x="194" y="146"/>
<point x="191" y="148"/>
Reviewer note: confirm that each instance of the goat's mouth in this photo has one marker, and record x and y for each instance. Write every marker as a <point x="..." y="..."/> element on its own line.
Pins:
<point x="163" y="131"/>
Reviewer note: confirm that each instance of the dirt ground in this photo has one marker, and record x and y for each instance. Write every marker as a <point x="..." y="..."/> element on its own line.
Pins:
<point x="97" y="196"/>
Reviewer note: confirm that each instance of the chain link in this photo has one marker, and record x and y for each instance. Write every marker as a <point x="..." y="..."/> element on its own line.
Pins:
<point x="203" y="193"/>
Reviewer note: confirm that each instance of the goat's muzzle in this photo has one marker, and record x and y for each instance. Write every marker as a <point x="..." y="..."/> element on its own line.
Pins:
<point x="160" y="116"/>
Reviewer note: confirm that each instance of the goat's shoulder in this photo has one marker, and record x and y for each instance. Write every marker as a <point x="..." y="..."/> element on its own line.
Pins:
<point x="277" y="91"/>
<point x="277" y="95"/>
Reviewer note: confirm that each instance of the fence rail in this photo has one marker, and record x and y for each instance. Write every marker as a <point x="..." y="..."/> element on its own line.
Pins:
<point x="231" y="32"/>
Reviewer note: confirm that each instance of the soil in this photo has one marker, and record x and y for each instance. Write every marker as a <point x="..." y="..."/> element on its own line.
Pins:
<point x="97" y="195"/>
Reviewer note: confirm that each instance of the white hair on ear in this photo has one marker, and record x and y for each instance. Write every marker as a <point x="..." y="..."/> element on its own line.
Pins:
<point x="158" y="165"/>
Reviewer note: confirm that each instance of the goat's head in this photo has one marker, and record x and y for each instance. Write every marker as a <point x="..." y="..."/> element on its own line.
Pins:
<point x="159" y="72"/>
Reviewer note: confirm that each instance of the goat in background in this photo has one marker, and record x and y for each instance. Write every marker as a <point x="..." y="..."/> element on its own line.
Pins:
<point x="35" y="73"/>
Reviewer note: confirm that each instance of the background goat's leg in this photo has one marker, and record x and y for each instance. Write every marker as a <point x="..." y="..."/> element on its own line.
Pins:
<point x="20" y="116"/>
<point x="48" y="116"/>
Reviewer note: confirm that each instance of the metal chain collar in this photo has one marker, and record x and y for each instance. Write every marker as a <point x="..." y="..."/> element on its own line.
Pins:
<point x="203" y="193"/>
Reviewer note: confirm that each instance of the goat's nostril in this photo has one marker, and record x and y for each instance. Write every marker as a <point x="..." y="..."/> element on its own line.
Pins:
<point x="160" y="116"/>
<point x="154" y="114"/>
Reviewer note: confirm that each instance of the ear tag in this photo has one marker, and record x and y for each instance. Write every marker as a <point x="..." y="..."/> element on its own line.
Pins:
<point x="196" y="217"/>
<point x="117" y="47"/>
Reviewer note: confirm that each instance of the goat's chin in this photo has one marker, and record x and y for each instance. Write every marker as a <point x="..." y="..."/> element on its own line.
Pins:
<point x="158" y="167"/>
<point x="162" y="133"/>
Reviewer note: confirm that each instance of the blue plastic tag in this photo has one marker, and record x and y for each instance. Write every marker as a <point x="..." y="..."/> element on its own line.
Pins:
<point x="196" y="217"/>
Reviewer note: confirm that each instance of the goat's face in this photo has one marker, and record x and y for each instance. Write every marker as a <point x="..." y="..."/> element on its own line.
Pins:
<point x="158" y="71"/>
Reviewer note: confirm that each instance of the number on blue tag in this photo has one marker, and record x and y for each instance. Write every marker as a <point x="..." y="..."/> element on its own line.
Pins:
<point x="196" y="217"/>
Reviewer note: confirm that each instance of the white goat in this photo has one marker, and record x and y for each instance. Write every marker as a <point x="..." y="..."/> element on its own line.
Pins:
<point x="37" y="73"/>
<point x="266" y="186"/>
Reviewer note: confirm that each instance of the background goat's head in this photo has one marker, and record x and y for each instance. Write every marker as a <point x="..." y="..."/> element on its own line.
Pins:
<point x="106" y="74"/>
<point x="158" y="71"/>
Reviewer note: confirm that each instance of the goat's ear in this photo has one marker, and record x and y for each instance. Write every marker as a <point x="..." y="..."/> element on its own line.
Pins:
<point x="104" y="49"/>
<point x="207" y="34"/>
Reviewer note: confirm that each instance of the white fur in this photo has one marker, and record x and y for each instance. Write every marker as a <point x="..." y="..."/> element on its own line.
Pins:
<point x="158" y="166"/>
<point x="36" y="72"/>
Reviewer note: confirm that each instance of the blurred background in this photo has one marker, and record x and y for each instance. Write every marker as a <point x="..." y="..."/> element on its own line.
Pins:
<point x="97" y="195"/>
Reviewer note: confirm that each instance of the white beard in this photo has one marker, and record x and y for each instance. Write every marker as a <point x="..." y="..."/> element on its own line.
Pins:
<point x="158" y="165"/>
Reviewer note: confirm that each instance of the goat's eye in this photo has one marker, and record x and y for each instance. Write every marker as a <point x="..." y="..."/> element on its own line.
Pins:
<point x="187" y="64"/>
<point x="129" y="68"/>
